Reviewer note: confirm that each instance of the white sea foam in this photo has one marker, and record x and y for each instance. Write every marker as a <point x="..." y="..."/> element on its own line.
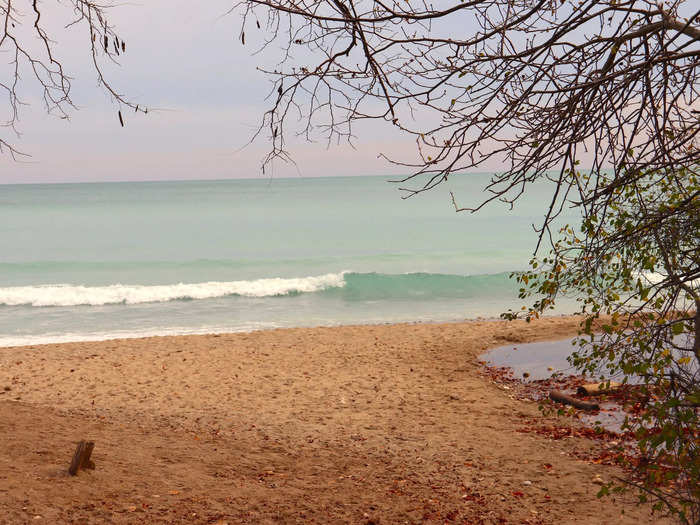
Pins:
<point x="71" y="337"/>
<point x="74" y="295"/>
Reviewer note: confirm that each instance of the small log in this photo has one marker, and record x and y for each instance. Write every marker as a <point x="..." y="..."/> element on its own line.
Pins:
<point x="555" y="395"/>
<point x="81" y="457"/>
<point x="596" y="389"/>
<point x="87" y="462"/>
<point x="77" y="459"/>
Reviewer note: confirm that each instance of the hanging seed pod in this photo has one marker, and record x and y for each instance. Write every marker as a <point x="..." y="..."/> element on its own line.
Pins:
<point x="243" y="37"/>
<point x="257" y="23"/>
<point x="93" y="37"/>
<point x="106" y="43"/>
<point x="136" y="110"/>
<point x="121" y="119"/>
<point x="123" y="47"/>
<point x="274" y="133"/>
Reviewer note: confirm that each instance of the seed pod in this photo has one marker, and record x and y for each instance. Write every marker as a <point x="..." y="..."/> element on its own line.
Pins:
<point x="243" y="37"/>
<point x="136" y="110"/>
<point x="123" y="46"/>
<point x="106" y="43"/>
<point x="121" y="119"/>
<point x="257" y="23"/>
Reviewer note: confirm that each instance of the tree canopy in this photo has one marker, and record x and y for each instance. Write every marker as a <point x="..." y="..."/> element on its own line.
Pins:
<point x="539" y="86"/>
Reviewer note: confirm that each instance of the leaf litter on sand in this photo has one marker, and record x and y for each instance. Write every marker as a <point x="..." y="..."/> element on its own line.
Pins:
<point x="616" y="447"/>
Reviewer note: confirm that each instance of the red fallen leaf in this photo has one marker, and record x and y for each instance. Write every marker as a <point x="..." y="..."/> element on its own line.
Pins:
<point x="547" y="465"/>
<point x="518" y="494"/>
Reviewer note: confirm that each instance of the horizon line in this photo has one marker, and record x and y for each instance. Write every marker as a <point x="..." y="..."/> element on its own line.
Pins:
<point x="389" y="178"/>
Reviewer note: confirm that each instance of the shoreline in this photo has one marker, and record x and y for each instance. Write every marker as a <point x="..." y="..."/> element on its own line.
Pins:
<point x="346" y="424"/>
<point x="108" y="337"/>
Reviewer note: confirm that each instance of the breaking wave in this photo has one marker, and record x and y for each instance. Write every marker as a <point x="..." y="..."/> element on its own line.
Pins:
<point x="75" y="295"/>
<point x="349" y="286"/>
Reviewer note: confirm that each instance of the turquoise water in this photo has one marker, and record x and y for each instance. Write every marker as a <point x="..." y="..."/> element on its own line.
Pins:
<point x="95" y="261"/>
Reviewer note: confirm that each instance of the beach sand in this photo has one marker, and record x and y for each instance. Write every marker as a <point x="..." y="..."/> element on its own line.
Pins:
<point x="354" y="424"/>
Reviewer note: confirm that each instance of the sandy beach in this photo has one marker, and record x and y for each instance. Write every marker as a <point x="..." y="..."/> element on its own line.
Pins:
<point x="352" y="424"/>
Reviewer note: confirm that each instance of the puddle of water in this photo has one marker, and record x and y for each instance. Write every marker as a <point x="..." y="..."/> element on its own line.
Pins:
<point x="610" y="417"/>
<point x="539" y="360"/>
<point x="542" y="360"/>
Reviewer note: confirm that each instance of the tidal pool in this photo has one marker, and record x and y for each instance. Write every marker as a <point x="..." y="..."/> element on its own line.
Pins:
<point x="541" y="361"/>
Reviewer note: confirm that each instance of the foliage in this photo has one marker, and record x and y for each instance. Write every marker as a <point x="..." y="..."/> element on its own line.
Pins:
<point x="636" y="275"/>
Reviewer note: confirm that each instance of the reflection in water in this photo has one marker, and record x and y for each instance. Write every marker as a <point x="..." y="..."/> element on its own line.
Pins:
<point x="540" y="361"/>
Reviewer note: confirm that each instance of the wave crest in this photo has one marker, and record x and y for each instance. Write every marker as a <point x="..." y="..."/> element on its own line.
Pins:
<point x="347" y="286"/>
<point x="76" y="295"/>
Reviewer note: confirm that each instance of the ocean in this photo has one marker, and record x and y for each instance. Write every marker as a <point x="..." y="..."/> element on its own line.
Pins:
<point x="98" y="261"/>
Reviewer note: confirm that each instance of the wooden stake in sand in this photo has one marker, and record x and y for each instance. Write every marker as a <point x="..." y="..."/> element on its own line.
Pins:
<point x="81" y="457"/>
<point x="555" y="395"/>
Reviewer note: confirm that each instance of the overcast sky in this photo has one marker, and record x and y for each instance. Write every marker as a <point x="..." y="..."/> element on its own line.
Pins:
<point x="189" y="62"/>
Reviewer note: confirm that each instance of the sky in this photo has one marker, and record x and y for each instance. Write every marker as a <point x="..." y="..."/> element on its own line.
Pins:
<point x="185" y="62"/>
<point x="189" y="64"/>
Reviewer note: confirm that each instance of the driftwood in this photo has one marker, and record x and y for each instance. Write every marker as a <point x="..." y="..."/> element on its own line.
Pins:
<point x="555" y="395"/>
<point x="596" y="389"/>
<point x="81" y="457"/>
